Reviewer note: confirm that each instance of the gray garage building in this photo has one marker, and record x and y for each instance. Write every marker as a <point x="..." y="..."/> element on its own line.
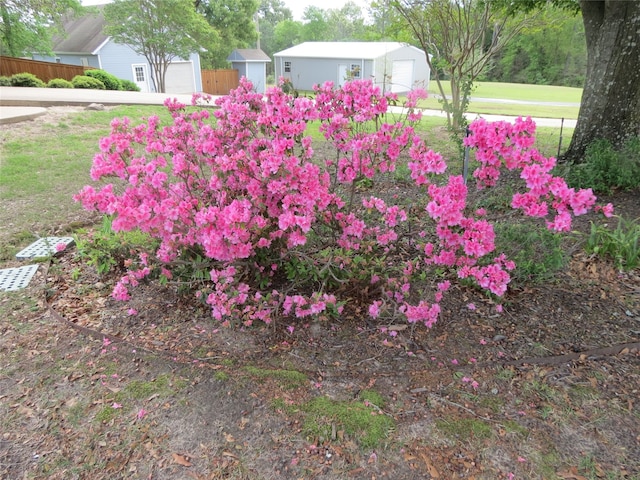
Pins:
<point x="394" y="66"/>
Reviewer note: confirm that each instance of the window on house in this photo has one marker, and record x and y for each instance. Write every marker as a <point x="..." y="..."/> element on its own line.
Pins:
<point x="84" y="61"/>
<point x="139" y="74"/>
<point x="355" y="70"/>
<point x="287" y="67"/>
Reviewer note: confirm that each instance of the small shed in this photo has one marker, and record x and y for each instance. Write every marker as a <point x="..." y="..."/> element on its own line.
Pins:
<point x="393" y="66"/>
<point x="251" y="64"/>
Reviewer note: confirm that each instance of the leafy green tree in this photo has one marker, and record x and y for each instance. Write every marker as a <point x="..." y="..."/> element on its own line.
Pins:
<point x="160" y="30"/>
<point x="234" y="21"/>
<point x="287" y="34"/>
<point x="553" y="51"/>
<point x="274" y="11"/>
<point x="459" y="39"/>
<point x="316" y="24"/>
<point x="610" y="107"/>
<point x="27" y="26"/>
<point x="270" y="14"/>
<point x="345" y="23"/>
<point x="386" y="24"/>
<point x="334" y="24"/>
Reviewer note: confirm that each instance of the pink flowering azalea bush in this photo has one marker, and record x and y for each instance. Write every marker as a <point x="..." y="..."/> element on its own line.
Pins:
<point x="239" y="193"/>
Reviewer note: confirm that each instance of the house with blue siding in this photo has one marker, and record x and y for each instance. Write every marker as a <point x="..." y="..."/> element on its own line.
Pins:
<point x="85" y="44"/>
<point x="393" y="66"/>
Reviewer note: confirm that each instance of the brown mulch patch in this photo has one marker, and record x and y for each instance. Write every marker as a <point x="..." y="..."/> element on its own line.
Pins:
<point x="547" y="389"/>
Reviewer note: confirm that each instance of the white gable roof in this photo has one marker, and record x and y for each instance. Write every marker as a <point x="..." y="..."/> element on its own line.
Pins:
<point x="364" y="50"/>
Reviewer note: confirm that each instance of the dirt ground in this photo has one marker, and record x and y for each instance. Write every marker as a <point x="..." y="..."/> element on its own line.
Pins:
<point x="547" y="389"/>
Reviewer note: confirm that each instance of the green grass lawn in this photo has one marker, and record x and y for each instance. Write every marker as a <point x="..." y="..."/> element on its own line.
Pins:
<point x="518" y="91"/>
<point x="511" y="91"/>
<point x="514" y="91"/>
<point x="514" y="110"/>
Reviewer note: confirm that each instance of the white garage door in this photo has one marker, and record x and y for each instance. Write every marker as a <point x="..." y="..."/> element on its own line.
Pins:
<point x="401" y="76"/>
<point x="179" y="78"/>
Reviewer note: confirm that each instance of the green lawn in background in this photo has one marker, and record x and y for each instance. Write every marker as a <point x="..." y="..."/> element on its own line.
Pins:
<point x="64" y="154"/>
<point x="509" y="91"/>
<point x="510" y="109"/>
<point x="518" y="91"/>
<point x="514" y="91"/>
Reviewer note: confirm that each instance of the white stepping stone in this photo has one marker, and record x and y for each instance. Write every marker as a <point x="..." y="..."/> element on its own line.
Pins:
<point x="12" y="279"/>
<point x="44" y="247"/>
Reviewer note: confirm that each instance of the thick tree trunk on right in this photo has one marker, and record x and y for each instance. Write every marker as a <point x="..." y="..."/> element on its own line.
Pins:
<point x="611" y="97"/>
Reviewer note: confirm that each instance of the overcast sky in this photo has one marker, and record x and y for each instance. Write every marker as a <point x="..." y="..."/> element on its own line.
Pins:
<point x="296" y="6"/>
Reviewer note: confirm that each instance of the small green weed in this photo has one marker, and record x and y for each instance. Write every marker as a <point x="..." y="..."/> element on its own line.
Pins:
<point x="289" y="379"/>
<point x="606" y="168"/>
<point x="76" y="413"/>
<point x="496" y="200"/>
<point x="621" y="244"/>
<point x="546" y="411"/>
<point x="142" y="389"/>
<point x="588" y="466"/>
<point x="106" y="249"/>
<point x="541" y="390"/>
<point x="107" y="414"/>
<point x="514" y="427"/>
<point x="493" y="402"/>
<point x="279" y="404"/>
<point x="505" y="374"/>
<point x="547" y="463"/>
<point x="537" y="252"/>
<point x="361" y="420"/>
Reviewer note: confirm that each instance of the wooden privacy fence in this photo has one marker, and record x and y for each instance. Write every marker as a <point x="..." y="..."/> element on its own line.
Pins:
<point x="219" y="82"/>
<point x="45" y="71"/>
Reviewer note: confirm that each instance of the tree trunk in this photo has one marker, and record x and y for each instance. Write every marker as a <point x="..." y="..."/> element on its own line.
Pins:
<point x="610" y="107"/>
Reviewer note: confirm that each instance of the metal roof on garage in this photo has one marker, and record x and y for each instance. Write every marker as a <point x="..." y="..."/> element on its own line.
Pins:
<point x="364" y="50"/>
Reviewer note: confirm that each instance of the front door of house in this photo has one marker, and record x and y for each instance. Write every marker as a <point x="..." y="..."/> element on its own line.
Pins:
<point x="141" y="76"/>
<point x="342" y="74"/>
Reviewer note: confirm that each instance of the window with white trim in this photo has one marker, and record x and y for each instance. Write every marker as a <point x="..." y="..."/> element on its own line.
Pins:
<point x="139" y="74"/>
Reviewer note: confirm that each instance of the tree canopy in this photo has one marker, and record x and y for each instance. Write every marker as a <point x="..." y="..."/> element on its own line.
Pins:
<point x="553" y="51"/>
<point x="160" y="30"/>
<point x="27" y="26"/>
<point x="272" y="13"/>
<point x="234" y="22"/>
<point x="459" y="39"/>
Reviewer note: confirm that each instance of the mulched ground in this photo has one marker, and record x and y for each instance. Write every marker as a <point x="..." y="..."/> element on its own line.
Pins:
<point x="557" y="370"/>
<point x="547" y="389"/>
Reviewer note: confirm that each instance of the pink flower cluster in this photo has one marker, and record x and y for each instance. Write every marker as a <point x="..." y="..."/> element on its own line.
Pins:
<point x="244" y="191"/>
<point x="505" y="144"/>
<point x="352" y="119"/>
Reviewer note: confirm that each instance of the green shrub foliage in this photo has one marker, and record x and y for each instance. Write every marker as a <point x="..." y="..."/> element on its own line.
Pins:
<point x="26" y="80"/>
<point x="606" y="168"/>
<point x="5" y="81"/>
<point x="621" y="244"/>
<point x="59" y="83"/>
<point x="111" y="82"/>
<point x="83" y="81"/>
<point x="129" y="86"/>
